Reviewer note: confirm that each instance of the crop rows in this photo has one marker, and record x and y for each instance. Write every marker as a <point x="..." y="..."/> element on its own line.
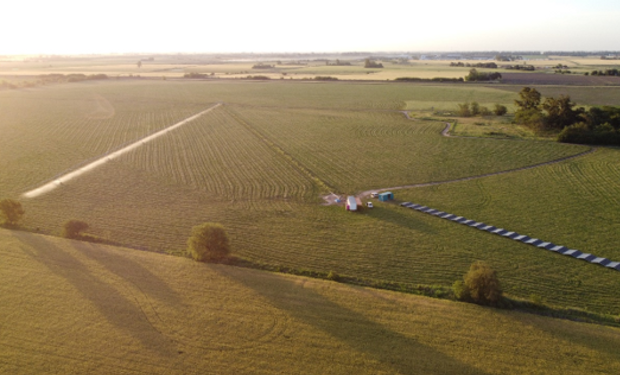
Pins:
<point x="353" y="151"/>
<point x="48" y="133"/>
<point x="254" y="166"/>
<point x="574" y="203"/>
<point x="217" y="154"/>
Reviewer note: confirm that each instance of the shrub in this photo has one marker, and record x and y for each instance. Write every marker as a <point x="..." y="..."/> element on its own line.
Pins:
<point x="484" y="111"/>
<point x="73" y="229"/>
<point x="12" y="211"/>
<point x="500" y="110"/>
<point x="208" y="243"/>
<point x="333" y="276"/>
<point x="482" y="284"/>
<point x="460" y="291"/>
<point x="475" y="108"/>
<point x="463" y="110"/>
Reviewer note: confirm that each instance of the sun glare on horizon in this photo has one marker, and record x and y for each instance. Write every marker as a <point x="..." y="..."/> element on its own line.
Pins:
<point x="72" y="27"/>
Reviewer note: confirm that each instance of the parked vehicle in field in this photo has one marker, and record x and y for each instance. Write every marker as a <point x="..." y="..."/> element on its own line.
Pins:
<point x="351" y="203"/>
<point x="369" y="205"/>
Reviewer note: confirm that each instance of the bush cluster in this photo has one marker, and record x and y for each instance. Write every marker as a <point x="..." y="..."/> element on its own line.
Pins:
<point x="208" y="243"/>
<point x="480" y="285"/>
<point x="12" y="211"/>
<point x="475" y="109"/>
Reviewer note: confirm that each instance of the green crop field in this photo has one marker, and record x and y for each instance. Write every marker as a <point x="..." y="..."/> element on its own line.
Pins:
<point x="259" y="163"/>
<point x="75" y="307"/>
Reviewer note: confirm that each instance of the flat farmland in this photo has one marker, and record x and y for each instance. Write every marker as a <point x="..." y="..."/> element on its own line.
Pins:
<point x="258" y="164"/>
<point x="352" y="151"/>
<point x="75" y="307"/>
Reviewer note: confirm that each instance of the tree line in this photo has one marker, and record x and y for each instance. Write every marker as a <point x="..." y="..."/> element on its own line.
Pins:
<point x="608" y="72"/>
<point x="475" y="75"/>
<point x="489" y="65"/>
<point x="475" y="109"/>
<point x="597" y="125"/>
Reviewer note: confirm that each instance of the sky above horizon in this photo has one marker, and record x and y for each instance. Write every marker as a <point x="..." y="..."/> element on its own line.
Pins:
<point x="113" y="26"/>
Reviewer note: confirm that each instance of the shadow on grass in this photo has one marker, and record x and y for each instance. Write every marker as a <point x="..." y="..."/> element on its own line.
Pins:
<point x="401" y="217"/>
<point x="583" y="335"/>
<point x="132" y="272"/>
<point x="397" y="352"/>
<point x="117" y="309"/>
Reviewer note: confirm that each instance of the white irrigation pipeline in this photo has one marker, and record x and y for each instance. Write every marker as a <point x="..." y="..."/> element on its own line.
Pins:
<point x="89" y="167"/>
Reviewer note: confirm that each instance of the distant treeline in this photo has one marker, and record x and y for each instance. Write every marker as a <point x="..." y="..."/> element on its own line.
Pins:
<point x="337" y="63"/>
<point x="368" y="63"/>
<point x="519" y="67"/>
<point x="490" y="65"/>
<point x="197" y="75"/>
<point x="262" y="66"/>
<point x="435" y="79"/>
<point x="608" y="72"/>
<point x="260" y="78"/>
<point x="475" y="75"/>
<point x="46" y="79"/>
<point x="325" y="78"/>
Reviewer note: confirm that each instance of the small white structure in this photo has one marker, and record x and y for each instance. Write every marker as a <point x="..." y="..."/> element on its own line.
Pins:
<point x="351" y="203"/>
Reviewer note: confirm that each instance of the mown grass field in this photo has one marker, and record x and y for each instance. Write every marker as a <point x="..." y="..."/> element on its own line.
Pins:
<point x="74" y="307"/>
<point x="259" y="163"/>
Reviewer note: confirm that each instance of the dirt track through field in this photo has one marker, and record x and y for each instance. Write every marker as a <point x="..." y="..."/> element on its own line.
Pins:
<point x="108" y="157"/>
<point x="445" y="133"/>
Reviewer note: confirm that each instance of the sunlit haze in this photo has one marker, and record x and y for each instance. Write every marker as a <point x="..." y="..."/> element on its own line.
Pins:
<point x="79" y="27"/>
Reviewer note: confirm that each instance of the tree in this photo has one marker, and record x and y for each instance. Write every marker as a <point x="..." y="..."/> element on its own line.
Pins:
<point x="560" y="112"/>
<point x="368" y="63"/>
<point x="480" y="285"/>
<point x="208" y="243"/>
<point x="464" y="110"/>
<point x="12" y="211"/>
<point x="73" y="229"/>
<point x="500" y="110"/>
<point x="530" y="99"/>
<point x="529" y="112"/>
<point x="475" y="108"/>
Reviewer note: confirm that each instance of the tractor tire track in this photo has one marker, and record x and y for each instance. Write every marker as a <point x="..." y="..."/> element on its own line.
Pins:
<point x="446" y="133"/>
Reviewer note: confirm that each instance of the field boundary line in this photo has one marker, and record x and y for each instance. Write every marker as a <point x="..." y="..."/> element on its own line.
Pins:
<point x="46" y="188"/>
<point x="445" y="133"/>
<point x="280" y="151"/>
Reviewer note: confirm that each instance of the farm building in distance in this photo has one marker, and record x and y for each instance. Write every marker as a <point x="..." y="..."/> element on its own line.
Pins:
<point x="387" y="196"/>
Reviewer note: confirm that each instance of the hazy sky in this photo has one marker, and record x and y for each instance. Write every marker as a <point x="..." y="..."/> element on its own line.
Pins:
<point x="67" y="26"/>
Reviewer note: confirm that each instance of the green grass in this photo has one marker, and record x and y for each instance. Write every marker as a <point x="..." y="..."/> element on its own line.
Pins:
<point x="258" y="164"/>
<point x="76" y="307"/>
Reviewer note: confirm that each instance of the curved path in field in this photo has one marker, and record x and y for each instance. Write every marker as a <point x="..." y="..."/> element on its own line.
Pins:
<point x="80" y="171"/>
<point x="559" y="249"/>
<point x="446" y="133"/>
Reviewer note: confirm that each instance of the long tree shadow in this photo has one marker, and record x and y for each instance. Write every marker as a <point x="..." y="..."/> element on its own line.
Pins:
<point x="396" y="351"/>
<point x="583" y="335"/>
<point x="130" y="271"/>
<point x="117" y="309"/>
